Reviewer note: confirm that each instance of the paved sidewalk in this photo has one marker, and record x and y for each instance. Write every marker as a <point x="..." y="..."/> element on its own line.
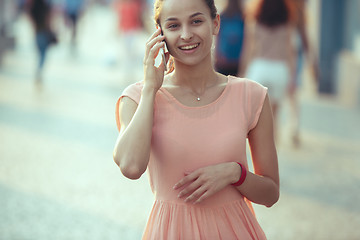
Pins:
<point x="58" y="179"/>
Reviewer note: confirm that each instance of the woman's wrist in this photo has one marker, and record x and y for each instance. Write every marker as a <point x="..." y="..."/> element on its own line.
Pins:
<point x="235" y="171"/>
<point x="149" y="91"/>
<point x="241" y="175"/>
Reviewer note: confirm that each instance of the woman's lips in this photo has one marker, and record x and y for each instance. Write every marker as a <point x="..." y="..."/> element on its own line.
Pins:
<point x="189" y="48"/>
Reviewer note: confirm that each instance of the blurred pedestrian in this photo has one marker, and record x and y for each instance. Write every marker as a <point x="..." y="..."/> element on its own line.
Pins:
<point x="20" y="7"/>
<point x="189" y="126"/>
<point x="303" y="50"/>
<point x="230" y="39"/>
<point x="130" y="25"/>
<point x="40" y="12"/>
<point x="73" y="10"/>
<point x="269" y="56"/>
<point x="129" y="15"/>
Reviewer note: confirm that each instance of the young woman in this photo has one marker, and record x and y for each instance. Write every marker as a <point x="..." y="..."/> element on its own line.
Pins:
<point x="189" y="129"/>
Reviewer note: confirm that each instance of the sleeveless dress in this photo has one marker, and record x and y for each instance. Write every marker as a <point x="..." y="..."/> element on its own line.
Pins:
<point x="187" y="138"/>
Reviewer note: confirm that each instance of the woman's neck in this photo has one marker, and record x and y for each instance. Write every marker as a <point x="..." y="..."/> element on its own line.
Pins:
<point x="196" y="77"/>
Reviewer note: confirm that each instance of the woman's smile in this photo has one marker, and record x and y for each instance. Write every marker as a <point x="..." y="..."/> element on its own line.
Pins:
<point x="189" y="48"/>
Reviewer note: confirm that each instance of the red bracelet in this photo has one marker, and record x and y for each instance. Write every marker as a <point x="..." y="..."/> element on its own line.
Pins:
<point x="242" y="176"/>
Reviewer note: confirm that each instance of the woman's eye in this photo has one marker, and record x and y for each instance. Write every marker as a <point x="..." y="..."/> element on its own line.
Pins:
<point x="197" y="21"/>
<point x="172" y="26"/>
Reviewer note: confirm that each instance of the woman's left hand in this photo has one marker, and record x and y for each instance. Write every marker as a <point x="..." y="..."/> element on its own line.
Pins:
<point x="204" y="182"/>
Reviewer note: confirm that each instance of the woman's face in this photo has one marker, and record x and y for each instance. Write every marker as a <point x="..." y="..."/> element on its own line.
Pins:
<point x="188" y="29"/>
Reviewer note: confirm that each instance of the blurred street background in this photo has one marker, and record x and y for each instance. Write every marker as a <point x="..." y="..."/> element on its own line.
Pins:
<point x="57" y="176"/>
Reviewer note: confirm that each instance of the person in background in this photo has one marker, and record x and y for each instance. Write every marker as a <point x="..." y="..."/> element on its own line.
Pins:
<point x="130" y="25"/>
<point x="269" y="55"/>
<point x="188" y="126"/>
<point x="40" y="12"/>
<point x="72" y="11"/>
<point x="20" y="7"/>
<point x="303" y="49"/>
<point x="230" y="39"/>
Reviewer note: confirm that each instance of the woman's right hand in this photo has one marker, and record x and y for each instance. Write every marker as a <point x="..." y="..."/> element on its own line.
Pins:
<point x="154" y="76"/>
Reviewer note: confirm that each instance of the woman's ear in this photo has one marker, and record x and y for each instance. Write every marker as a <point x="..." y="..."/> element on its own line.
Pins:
<point x="216" y="25"/>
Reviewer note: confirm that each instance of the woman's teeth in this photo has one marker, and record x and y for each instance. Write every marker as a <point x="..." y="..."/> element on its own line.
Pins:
<point x="189" y="47"/>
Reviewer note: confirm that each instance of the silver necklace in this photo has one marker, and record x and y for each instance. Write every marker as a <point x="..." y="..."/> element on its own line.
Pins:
<point x="197" y="95"/>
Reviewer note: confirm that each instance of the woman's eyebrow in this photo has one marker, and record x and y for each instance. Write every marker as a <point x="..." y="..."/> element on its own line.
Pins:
<point x="171" y="19"/>
<point x="191" y="16"/>
<point x="196" y="14"/>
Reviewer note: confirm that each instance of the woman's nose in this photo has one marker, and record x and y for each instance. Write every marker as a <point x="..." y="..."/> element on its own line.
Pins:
<point x="186" y="34"/>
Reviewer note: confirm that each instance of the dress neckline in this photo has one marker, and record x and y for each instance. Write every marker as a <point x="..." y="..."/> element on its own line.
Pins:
<point x="166" y="92"/>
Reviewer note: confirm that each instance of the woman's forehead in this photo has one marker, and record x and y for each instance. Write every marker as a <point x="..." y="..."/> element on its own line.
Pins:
<point x="183" y="8"/>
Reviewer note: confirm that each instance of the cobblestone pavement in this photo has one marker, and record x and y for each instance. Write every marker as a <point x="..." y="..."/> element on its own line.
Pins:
<point x="58" y="179"/>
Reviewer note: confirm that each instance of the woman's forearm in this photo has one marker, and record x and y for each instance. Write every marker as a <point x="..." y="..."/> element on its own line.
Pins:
<point x="132" y="149"/>
<point x="259" y="189"/>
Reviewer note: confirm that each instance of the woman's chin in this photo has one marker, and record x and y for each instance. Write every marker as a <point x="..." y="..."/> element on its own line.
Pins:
<point x="192" y="61"/>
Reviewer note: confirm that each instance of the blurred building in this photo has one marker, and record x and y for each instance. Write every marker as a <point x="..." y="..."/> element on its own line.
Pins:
<point x="8" y="12"/>
<point x="339" y="49"/>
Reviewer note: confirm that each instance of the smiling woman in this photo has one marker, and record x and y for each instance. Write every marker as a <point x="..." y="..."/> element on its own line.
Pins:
<point x="188" y="25"/>
<point x="189" y="127"/>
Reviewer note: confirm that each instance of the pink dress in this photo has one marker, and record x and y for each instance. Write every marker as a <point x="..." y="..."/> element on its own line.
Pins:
<point x="187" y="138"/>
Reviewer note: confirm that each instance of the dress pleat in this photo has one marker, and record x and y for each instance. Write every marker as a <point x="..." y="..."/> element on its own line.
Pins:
<point x="180" y="221"/>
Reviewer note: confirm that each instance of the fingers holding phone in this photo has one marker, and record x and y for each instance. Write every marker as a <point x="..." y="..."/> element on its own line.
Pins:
<point x="152" y="46"/>
<point x="154" y="74"/>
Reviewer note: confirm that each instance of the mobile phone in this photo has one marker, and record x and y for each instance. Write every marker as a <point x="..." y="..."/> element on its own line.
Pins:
<point x="161" y="55"/>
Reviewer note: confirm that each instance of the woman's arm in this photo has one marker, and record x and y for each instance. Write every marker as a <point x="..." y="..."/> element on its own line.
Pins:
<point x="132" y="148"/>
<point x="262" y="187"/>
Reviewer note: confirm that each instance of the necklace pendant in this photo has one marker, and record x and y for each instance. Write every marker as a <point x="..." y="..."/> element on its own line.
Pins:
<point x="198" y="98"/>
